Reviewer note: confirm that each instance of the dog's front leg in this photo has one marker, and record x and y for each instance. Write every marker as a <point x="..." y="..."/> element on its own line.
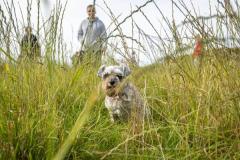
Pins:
<point x="111" y="116"/>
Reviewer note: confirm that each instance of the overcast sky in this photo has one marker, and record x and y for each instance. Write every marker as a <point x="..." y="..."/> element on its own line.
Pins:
<point x="76" y="12"/>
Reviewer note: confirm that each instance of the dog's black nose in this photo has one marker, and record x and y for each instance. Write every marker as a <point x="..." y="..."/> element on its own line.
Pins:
<point x="112" y="82"/>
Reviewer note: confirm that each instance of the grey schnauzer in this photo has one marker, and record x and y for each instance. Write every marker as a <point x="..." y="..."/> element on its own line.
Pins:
<point x="122" y="100"/>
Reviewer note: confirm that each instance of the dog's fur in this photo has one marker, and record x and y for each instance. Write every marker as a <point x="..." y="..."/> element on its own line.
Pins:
<point x="122" y="100"/>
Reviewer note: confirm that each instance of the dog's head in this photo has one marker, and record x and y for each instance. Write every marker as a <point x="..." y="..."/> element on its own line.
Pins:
<point x="112" y="77"/>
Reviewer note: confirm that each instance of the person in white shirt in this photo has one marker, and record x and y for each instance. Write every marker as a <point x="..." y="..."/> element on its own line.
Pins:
<point x="92" y="36"/>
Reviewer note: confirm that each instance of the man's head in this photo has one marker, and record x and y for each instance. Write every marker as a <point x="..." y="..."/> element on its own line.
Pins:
<point x="91" y="11"/>
<point x="198" y="37"/>
<point x="28" y="30"/>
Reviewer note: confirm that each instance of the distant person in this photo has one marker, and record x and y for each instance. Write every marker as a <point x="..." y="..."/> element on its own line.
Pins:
<point x="198" y="50"/>
<point x="29" y="45"/>
<point x="134" y="59"/>
<point x="92" y="36"/>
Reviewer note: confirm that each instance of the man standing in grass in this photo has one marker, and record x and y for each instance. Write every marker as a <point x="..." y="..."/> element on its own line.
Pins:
<point x="92" y="36"/>
<point x="29" y="45"/>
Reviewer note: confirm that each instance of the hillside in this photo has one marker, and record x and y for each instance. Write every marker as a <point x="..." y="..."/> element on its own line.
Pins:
<point x="194" y="112"/>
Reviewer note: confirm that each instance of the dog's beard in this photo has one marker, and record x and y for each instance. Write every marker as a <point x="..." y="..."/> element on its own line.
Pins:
<point x="111" y="91"/>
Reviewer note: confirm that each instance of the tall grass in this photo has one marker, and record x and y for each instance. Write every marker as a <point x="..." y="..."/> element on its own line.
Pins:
<point x="49" y="110"/>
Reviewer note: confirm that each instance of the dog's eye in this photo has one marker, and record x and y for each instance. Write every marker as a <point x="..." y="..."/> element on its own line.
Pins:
<point x="105" y="76"/>
<point x="120" y="77"/>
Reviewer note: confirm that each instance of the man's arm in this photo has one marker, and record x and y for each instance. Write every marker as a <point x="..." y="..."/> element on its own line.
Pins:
<point x="104" y="37"/>
<point x="34" y="40"/>
<point x="80" y="32"/>
<point x="104" y="33"/>
<point x="23" y="43"/>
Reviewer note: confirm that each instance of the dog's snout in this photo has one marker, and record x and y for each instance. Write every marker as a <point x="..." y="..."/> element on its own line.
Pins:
<point x="112" y="82"/>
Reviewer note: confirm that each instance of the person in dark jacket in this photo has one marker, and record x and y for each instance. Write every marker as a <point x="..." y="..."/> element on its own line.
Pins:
<point x="29" y="45"/>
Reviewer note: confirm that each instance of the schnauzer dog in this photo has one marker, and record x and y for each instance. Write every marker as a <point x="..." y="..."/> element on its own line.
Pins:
<point x="122" y="100"/>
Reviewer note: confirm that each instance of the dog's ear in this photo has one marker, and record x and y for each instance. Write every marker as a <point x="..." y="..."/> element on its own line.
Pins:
<point x="101" y="70"/>
<point x="126" y="70"/>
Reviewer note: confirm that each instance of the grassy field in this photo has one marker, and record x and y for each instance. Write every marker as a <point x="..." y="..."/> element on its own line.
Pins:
<point x="195" y="112"/>
<point x="52" y="111"/>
